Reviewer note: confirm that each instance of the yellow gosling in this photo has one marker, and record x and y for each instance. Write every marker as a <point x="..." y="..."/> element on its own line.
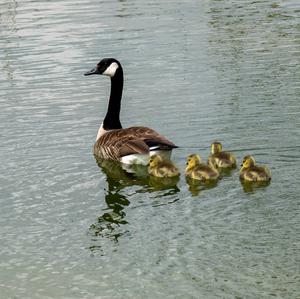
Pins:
<point x="219" y="158"/>
<point x="252" y="173"/>
<point x="200" y="171"/>
<point x="162" y="168"/>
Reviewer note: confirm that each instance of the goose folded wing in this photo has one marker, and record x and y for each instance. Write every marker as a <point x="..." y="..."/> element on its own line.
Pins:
<point x="131" y="146"/>
<point x="160" y="143"/>
<point x="152" y="138"/>
<point x="133" y="140"/>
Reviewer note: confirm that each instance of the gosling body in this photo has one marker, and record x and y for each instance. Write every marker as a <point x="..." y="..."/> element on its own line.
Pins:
<point x="251" y="172"/>
<point x="199" y="171"/>
<point x="159" y="167"/>
<point x="219" y="158"/>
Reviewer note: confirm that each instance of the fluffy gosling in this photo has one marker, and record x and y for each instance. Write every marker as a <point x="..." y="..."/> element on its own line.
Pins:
<point x="162" y="168"/>
<point x="219" y="158"/>
<point x="200" y="171"/>
<point x="253" y="173"/>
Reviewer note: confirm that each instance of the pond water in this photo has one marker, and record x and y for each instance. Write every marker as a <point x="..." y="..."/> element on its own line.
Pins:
<point x="195" y="71"/>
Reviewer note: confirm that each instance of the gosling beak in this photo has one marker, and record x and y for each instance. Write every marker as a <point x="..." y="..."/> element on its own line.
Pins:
<point x="92" y="72"/>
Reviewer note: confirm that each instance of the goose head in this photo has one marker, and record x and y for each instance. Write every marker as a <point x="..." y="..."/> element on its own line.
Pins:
<point x="107" y="66"/>
<point x="248" y="162"/>
<point x="216" y="147"/>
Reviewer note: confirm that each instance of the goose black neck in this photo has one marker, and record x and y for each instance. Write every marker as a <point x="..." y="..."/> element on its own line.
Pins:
<point x="112" y="118"/>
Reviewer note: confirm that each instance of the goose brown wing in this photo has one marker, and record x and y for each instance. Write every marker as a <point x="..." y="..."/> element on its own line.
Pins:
<point x="152" y="138"/>
<point x="135" y="140"/>
<point x="132" y="146"/>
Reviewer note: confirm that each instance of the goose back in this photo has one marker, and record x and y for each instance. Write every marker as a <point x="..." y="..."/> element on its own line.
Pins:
<point x="120" y="143"/>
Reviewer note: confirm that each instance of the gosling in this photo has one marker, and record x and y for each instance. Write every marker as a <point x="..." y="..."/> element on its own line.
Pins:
<point x="200" y="171"/>
<point x="219" y="158"/>
<point x="162" y="168"/>
<point x="250" y="172"/>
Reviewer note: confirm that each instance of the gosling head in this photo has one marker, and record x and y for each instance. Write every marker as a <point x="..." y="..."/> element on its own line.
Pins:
<point x="155" y="160"/>
<point x="216" y="147"/>
<point x="248" y="161"/>
<point x="193" y="160"/>
<point x="107" y="66"/>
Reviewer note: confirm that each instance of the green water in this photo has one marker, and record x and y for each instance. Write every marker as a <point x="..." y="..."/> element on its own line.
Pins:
<point x="195" y="71"/>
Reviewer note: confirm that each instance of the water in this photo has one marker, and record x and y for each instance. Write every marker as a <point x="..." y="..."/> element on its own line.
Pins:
<point x="196" y="72"/>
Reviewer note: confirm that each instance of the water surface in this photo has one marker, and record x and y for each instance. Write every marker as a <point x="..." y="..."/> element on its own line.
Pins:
<point x="196" y="72"/>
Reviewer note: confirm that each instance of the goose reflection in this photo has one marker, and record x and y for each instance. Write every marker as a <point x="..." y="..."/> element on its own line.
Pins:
<point x="118" y="177"/>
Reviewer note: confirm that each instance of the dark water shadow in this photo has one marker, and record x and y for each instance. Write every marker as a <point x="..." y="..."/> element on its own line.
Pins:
<point x="112" y="223"/>
<point x="250" y="187"/>
<point x="227" y="172"/>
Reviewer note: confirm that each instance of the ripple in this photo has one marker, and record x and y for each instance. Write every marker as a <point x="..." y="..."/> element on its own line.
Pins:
<point x="195" y="72"/>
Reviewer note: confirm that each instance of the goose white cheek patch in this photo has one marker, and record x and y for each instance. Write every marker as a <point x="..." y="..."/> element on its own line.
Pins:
<point x="111" y="70"/>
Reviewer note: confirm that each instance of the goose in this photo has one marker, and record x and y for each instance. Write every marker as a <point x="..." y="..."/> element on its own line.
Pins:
<point x="251" y="172"/>
<point x="219" y="158"/>
<point x="162" y="168"/>
<point x="199" y="171"/>
<point x="132" y="145"/>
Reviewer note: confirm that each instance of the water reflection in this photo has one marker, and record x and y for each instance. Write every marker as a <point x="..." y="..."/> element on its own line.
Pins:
<point x="196" y="186"/>
<point x="250" y="187"/>
<point x="164" y="183"/>
<point x="119" y="177"/>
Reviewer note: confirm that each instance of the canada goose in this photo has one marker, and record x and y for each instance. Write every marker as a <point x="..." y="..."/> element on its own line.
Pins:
<point x="219" y="158"/>
<point x="132" y="145"/>
<point x="159" y="167"/>
<point x="200" y="171"/>
<point x="252" y="173"/>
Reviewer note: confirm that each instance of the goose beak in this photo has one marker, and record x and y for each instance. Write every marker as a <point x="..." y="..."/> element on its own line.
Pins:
<point x="92" y="72"/>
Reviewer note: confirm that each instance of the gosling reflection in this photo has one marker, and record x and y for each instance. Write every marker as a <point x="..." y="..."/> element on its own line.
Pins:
<point x="249" y="187"/>
<point x="196" y="186"/>
<point x="168" y="184"/>
<point x="119" y="176"/>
